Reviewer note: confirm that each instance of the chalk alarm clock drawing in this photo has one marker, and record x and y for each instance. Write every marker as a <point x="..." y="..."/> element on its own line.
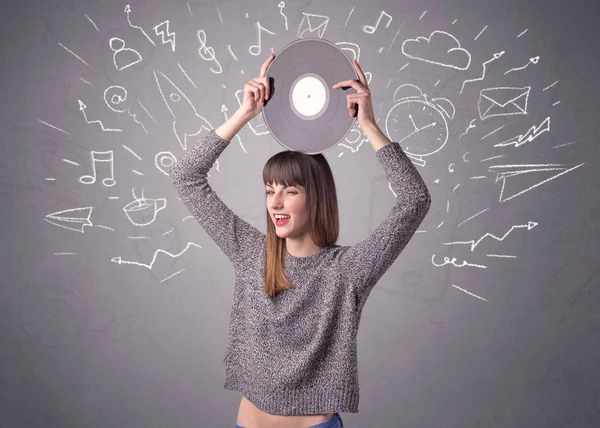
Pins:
<point x="418" y="124"/>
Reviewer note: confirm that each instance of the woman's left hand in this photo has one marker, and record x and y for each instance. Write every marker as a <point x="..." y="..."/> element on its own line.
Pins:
<point x="362" y="98"/>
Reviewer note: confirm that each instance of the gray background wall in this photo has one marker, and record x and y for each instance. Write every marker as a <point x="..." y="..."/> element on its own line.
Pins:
<point x="488" y="319"/>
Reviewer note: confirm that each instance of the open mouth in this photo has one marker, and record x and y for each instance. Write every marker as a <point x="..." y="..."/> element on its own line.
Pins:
<point x="282" y="221"/>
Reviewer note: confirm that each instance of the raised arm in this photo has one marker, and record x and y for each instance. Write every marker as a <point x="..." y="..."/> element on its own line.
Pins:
<point x="365" y="262"/>
<point x="234" y="236"/>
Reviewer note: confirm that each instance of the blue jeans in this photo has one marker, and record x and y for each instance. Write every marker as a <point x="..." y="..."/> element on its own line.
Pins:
<point x="334" y="422"/>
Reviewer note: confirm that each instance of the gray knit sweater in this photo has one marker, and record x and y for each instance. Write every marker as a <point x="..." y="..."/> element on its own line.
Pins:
<point x="295" y="353"/>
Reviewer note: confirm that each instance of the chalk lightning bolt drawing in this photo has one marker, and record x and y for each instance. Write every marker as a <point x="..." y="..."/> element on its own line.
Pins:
<point x="165" y="34"/>
<point x="530" y="135"/>
<point x="493" y="58"/>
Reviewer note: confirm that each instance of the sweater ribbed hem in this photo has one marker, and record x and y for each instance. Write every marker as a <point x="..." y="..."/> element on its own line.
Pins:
<point x="331" y="398"/>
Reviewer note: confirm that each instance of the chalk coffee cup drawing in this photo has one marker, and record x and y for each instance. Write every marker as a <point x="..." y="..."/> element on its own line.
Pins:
<point x="142" y="211"/>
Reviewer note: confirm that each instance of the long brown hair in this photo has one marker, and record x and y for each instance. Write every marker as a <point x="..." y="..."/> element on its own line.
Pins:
<point x="311" y="172"/>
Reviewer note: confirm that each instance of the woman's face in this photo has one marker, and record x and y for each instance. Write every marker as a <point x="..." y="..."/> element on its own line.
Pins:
<point x="290" y="201"/>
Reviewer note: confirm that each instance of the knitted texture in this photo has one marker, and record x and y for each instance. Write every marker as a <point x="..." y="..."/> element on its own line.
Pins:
<point x="295" y="353"/>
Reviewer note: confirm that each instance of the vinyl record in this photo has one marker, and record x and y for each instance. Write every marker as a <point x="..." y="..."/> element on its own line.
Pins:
<point x="304" y="113"/>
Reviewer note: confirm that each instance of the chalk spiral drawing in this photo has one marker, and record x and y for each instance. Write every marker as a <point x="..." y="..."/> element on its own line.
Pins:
<point x="425" y="126"/>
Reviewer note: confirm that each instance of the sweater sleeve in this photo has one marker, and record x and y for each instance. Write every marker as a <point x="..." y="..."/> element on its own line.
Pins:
<point x="234" y="236"/>
<point x="365" y="262"/>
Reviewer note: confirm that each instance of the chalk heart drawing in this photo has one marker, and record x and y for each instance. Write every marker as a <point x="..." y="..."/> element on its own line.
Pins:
<point x="142" y="211"/>
<point x="439" y="48"/>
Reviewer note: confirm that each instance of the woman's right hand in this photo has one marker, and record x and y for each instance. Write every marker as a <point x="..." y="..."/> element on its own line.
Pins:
<point x="257" y="91"/>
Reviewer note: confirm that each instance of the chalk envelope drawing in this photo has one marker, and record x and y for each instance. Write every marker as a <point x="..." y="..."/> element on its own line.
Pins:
<point x="503" y="101"/>
<point x="311" y="23"/>
<point x="422" y="48"/>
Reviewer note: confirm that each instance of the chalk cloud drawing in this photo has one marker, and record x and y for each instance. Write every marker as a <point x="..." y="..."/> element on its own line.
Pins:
<point x="439" y="48"/>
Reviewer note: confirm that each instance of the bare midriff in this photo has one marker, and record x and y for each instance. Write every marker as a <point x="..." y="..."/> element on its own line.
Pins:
<point x="250" y="416"/>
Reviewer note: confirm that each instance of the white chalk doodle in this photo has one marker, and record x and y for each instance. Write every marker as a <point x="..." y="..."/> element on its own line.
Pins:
<point x="142" y="211"/>
<point x="353" y="48"/>
<point x="258" y="47"/>
<point x="163" y="161"/>
<point x="186" y="120"/>
<point x="312" y="23"/>
<point x="503" y="101"/>
<point x="123" y="51"/>
<point x="493" y="132"/>
<point x="186" y="76"/>
<point x="452" y="261"/>
<point x="420" y="124"/>
<point x="480" y="33"/>
<point x="523" y="172"/>
<point x="422" y="48"/>
<point x="281" y="6"/>
<point x="102" y="159"/>
<point x="116" y="95"/>
<point x="533" y="60"/>
<point x="74" y="54"/>
<point x="172" y="275"/>
<point x="370" y="29"/>
<point x="128" y="11"/>
<point x="348" y="17"/>
<point x="132" y="152"/>
<point x="530" y="135"/>
<point x="474" y="243"/>
<point x="147" y="112"/>
<point x="471" y="126"/>
<point x="53" y="127"/>
<point x="207" y="53"/>
<point x="73" y="219"/>
<point x="493" y="58"/>
<point x="82" y="108"/>
<point x="469" y="293"/>
<point x="167" y="36"/>
<point x="120" y="260"/>
<point x="549" y="86"/>
<point x="93" y="23"/>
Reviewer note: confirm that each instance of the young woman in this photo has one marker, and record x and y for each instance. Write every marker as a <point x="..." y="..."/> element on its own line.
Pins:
<point x="298" y="296"/>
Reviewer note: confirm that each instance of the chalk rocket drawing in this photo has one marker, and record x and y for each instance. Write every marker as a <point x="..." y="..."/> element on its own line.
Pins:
<point x="186" y="120"/>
